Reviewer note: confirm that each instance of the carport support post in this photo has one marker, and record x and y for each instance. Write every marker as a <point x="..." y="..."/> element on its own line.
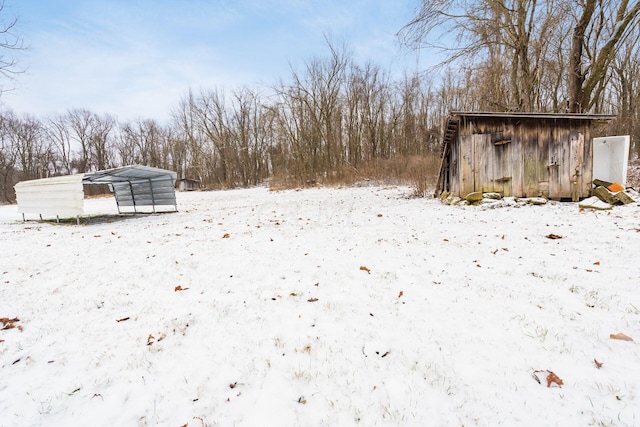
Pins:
<point x="133" y="198"/>
<point x="153" y="199"/>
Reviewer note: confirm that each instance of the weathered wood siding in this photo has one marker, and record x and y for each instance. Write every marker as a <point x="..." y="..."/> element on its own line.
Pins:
<point x="522" y="157"/>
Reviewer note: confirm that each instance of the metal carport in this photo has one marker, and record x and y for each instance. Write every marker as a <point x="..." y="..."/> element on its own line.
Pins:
<point x="133" y="186"/>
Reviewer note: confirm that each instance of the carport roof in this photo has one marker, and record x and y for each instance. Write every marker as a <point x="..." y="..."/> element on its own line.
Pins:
<point x="126" y="174"/>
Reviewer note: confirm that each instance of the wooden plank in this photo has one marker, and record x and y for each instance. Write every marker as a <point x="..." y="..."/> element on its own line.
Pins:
<point x="517" y="156"/>
<point x="466" y="165"/>
<point x="587" y="168"/>
<point x="565" y="170"/>
<point x="554" y="163"/>
<point x="483" y="159"/>
<point x="530" y="159"/>
<point x="576" y="165"/>
<point x="453" y="176"/>
<point x="544" y="136"/>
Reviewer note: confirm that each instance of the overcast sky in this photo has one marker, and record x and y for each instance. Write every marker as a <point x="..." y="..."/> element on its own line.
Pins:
<point x="136" y="58"/>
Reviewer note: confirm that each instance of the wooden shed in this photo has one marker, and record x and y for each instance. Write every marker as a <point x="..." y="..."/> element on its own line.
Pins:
<point x="519" y="154"/>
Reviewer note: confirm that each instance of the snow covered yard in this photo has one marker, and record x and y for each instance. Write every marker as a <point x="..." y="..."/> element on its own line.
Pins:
<point x="321" y="307"/>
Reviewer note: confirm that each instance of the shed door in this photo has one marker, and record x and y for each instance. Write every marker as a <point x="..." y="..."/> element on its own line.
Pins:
<point x="566" y="162"/>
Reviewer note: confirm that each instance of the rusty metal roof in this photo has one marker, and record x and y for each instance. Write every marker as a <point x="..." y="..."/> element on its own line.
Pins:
<point x="526" y="115"/>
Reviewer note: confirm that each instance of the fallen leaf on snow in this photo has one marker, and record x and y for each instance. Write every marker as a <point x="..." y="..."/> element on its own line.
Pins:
<point x="620" y="336"/>
<point x="6" y="320"/>
<point x="226" y="236"/>
<point x="598" y="364"/>
<point x="553" y="236"/>
<point x="312" y="299"/>
<point x="364" y="268"/>
<point x="122" y="320"/>
<point x="180" y="288"/>
<point x="551" y="378"/>
<point x="596" y="263"/>
<point x="9" y="323"/>
<point x="400" y="294"/>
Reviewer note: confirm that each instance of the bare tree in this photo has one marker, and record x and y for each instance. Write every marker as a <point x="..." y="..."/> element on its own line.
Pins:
<point x="8" y="158"/>
<point x="58" y="133"/>
<point x="514" y="46"/>
<point x="507" y="39"/>
<point x="11" y="45"/>
<point x="601" y="28"/>
<point x="33" y="153"/>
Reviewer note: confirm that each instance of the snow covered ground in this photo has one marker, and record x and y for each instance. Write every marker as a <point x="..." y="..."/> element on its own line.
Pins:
<point x="321" y="307"/>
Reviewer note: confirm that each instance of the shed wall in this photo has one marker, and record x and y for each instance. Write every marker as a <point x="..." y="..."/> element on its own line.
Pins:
<point x="521" y="157"/>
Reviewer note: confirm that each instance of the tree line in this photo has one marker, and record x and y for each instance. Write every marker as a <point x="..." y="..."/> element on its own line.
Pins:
<point x="336" y="120"/>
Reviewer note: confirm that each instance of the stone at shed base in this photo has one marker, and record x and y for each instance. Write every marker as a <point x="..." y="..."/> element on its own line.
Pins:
<point x="602" y="183"/>
<point x="533" y="200"/>
<point x="452" y="200"/>
<point x="492" y="196"/>
<point x="476" y="196"/>
<point x="633" y="194"/>
<point x="594" y="202"/>
<point x="605" y="195"/>
<point x="624" y="197"/>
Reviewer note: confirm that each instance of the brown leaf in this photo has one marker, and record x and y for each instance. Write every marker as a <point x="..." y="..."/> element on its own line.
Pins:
<point x="180" y="288"/>
<point x="233" y="385"/>
<point x="312" y="299"/>
<point x="598" y="364"/>
<point x="364" y="268"/>
<point x="553" y="378"/>
<point x="6" y="320"/>
<point x="400" y="294"/>
<point x="9" y="323"/>
<point x="620" y="336"/>
<point x="596" y="263"/>
<point x="226" y="236"/>
<point x="150" y="339"/>
<point x="553" y="236"/>
<point x="122" y="320"/>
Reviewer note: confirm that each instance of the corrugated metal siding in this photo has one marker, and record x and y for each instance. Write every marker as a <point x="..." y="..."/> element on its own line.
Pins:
<point x="137" y="185"/>
<point x="61" y="196"/>
<point x="147" y="192"/>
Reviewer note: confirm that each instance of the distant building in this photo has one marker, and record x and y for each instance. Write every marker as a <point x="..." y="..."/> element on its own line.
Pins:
<point x="188" y="184"/>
